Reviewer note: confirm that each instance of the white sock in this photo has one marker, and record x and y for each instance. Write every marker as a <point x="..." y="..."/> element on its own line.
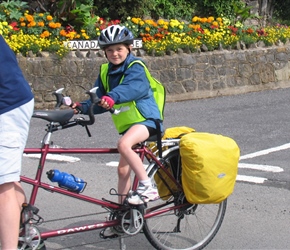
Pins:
<point x="146" y="182"/>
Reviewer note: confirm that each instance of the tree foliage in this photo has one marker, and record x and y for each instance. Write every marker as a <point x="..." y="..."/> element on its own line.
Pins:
<point x="70" y="10"/>
<point x="281" y="11"/>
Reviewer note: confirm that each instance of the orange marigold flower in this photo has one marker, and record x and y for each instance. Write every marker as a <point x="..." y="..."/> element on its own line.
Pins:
<point x="57" y="25"/>
<point x="250" y="31"/>
<point x="22" y="24"/>
<point x="215" y="23"/>
<point x="45" y="34"/>
<point x="196" y="27"/>
<point x="40" y="24"/>
<point x="62" y="33"/>
<point x="29" y="18"/>
<point x="51" y="25"/>
<point x="49" y="18"/>
<point x="21" y="19"/>
<point x="210" y="19"/>
<point x="32" y="24"/>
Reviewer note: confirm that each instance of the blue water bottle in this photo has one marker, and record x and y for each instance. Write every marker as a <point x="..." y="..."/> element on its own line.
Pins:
<point x="67" y="181"/>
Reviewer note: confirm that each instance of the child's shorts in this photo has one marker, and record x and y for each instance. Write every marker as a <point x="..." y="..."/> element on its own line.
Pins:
<point x="14" y="128"/>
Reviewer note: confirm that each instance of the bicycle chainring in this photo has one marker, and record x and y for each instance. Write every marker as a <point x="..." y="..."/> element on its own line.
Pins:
<point x="132" y="221"/>
<point x="30" y="242"/>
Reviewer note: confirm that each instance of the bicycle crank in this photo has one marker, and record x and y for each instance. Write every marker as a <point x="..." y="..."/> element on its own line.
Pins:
<point x="32" y="241"/>
<point x="132" y="222"/>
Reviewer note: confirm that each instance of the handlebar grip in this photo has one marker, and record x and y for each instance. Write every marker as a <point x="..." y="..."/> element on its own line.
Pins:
<point x="112" y="110"/>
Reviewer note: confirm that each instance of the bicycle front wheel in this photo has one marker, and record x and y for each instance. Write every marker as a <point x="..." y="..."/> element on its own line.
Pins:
<point x="176" y="224"/>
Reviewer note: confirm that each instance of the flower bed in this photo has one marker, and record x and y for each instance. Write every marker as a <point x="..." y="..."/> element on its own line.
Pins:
<point x="41" y="32"/>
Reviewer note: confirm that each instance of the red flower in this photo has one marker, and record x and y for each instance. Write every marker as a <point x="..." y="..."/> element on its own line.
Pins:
<point x="14" y="25"/>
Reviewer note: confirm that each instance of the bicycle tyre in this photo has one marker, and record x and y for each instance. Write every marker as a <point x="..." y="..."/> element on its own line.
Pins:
<point x="184" y="226"/>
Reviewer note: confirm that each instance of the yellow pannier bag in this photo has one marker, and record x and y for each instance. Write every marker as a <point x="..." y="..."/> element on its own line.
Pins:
<point x="176" y="132"/>
<point x="164" y="184"/>
<point x="209" y="167"/>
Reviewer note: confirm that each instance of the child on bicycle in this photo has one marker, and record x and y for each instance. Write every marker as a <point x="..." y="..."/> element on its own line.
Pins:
<point x="127" y="87"/>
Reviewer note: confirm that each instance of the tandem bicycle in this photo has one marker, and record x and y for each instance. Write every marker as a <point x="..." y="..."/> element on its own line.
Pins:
<point x="170" y="222"/>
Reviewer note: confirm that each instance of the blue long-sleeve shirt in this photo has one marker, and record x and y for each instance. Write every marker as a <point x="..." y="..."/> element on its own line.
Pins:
<point x="14" y="89"/>
<point x="134" y="87"/>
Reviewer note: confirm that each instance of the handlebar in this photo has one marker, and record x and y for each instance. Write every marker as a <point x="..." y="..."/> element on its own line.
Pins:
<point x="63" y="100"/>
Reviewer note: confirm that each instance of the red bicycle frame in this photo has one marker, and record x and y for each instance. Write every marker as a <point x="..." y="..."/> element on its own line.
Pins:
<point x="143" y="151"/>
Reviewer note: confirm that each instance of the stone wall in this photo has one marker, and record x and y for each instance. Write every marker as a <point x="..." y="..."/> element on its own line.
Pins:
<point x="185" y="76"/>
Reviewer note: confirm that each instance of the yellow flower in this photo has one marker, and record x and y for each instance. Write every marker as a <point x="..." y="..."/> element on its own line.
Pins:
<point x="195" y="19"/>
<point x="135" y="20"/>
<point x="219" y="19"/>
<point x="160" y="22"/>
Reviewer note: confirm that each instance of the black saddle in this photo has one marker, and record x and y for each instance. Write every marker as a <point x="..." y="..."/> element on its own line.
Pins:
<point x="61" y="116"/>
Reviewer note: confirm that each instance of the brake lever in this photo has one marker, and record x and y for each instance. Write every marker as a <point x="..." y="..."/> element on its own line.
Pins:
<point x="59" y="97"/>
<point x="96" y="100"/>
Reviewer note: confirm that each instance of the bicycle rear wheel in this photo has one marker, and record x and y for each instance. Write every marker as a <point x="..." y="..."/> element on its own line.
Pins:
<point x="173" y="223"/>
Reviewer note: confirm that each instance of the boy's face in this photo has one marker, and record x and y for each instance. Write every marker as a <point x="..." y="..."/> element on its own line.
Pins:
<point x="117" y="53"/>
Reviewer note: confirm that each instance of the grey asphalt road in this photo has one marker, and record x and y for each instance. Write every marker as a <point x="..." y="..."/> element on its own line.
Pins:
<point x="258" y="212"/>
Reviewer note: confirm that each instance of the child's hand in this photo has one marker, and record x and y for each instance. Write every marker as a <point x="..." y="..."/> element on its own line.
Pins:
<point x="107" y="102"/>
<point x="77" y="107"/>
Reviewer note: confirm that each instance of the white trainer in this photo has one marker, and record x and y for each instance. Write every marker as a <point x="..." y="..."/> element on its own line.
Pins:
<point x="148" y="193"/>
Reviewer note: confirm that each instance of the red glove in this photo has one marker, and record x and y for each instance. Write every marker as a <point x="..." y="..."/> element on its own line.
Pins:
<point x="108" y="100"/>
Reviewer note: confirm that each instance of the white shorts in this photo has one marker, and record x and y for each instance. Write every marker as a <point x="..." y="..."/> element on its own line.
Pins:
<point x="14" y="128"/>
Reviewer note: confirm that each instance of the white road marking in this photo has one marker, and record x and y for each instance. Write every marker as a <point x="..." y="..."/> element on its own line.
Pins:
<point x="112" y="164"/>
<point x="116" y="163"/>
<point x="55" y="157"/>
<point x="265" y="152"/>
<point x="266" y="168"/>
<point x="251" y="179"/>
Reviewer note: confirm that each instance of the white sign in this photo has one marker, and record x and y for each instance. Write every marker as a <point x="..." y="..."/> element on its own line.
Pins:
<point x="93" y="44"/>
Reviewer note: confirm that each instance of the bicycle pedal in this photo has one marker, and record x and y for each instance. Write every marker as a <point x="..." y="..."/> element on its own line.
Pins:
<point x="110" y="233"/>
<point x="30" y="214"/>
